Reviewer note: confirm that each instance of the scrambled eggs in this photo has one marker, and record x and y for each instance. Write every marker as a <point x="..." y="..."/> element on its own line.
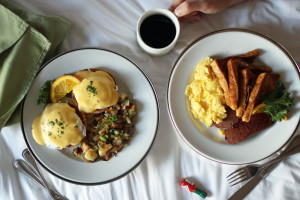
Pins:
<point x="206" y="97"/>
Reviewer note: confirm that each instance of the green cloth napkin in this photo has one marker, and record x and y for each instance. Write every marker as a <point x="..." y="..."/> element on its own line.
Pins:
<point x="27" y="40"/>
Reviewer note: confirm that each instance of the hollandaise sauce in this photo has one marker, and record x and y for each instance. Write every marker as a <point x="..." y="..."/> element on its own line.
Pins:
<point x="95" y="93"/>
<point x="99" y="73"/>
<point x="58" y="126"/>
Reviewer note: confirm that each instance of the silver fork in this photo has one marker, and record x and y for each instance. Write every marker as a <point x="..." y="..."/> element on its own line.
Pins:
<point x="244" y="173"/>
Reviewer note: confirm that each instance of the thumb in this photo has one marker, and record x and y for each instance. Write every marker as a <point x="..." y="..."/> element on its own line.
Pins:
<point x="183" y="9"/>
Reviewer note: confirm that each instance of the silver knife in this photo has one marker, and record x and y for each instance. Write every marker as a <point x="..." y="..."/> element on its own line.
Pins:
<point x="248" y="187"/>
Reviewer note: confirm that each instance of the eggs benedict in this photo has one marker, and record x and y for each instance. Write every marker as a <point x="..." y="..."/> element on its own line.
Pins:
<point x="97" y="90"/>
<point x="59" y="126"/>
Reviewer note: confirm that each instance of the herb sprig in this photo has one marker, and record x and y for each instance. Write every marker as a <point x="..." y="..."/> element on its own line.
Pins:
<point x="44" y="93"/>
<point x="277" y="103"/>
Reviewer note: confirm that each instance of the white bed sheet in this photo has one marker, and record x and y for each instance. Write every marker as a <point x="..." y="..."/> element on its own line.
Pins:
<point x="111" y="25"/>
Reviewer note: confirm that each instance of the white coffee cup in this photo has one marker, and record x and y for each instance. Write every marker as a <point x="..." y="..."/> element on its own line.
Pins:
<point x="157" y="31"/>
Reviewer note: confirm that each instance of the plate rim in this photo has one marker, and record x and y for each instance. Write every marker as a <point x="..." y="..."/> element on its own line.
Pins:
<point x="130" y="169"/>
<point x="201" y="37"/>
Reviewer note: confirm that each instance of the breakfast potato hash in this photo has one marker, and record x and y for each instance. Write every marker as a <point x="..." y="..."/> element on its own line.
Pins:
<point x="107" y="131"/>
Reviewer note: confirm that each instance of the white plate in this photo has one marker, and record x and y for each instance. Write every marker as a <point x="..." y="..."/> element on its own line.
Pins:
<point x="131" y="80"/>
<point x="207" y="141"/>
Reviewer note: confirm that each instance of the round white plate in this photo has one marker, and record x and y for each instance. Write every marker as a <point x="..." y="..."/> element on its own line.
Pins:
<point x="131" y="80"/>
<point x="207" y="141"/>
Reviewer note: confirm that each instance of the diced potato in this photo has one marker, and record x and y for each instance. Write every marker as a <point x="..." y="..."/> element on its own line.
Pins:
<point x="84" y="146"/>
<point x="117" y="144"/>
<point x="103" y="149"/>
<point x="77" y="151"/>
<point x="90" y="155"/>
<point x="126" y="102"/>
<point x="122" y="96"/>
<point x="117" y="141"/>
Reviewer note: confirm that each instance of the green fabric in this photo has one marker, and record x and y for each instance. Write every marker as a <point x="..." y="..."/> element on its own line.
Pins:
<point x="26" y="41"/>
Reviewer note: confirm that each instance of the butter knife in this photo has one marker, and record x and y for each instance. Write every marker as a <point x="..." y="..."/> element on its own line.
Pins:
<point x="250" y="185"/>
<point x="293" y="148"/>
<point x="29" y="158"/>
<point x="25" y="168"/>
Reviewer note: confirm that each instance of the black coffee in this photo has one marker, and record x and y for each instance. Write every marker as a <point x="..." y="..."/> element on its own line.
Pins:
<point x="157" y="31"/>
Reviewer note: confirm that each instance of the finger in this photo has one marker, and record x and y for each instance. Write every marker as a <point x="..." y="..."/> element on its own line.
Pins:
<point x="192" y="17"/>
<point x="174" y="4"/>
<point x="186" y="8"/>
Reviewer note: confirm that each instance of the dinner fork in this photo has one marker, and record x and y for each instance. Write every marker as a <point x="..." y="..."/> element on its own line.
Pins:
<point x="244" y="173"/>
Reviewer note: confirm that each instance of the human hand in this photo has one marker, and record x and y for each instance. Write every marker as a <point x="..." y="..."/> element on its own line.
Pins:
<point x="190" y="10"/>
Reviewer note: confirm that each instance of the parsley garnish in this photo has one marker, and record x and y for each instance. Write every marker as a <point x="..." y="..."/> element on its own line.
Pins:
<point x="104" y="139"/>
<point x="91" y="88"/>
<point x="44" y="93"/>
<point x="58" y="122"/>
<point x="131" y="112"/>
<point x="277" y="103"/>
<point x="99" y="126"/>
<point x="51" y="123"/>
<point x="113" y="118"/>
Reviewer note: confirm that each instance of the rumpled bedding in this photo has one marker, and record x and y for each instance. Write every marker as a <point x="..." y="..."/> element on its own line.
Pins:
<point x="111" y="25"/>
